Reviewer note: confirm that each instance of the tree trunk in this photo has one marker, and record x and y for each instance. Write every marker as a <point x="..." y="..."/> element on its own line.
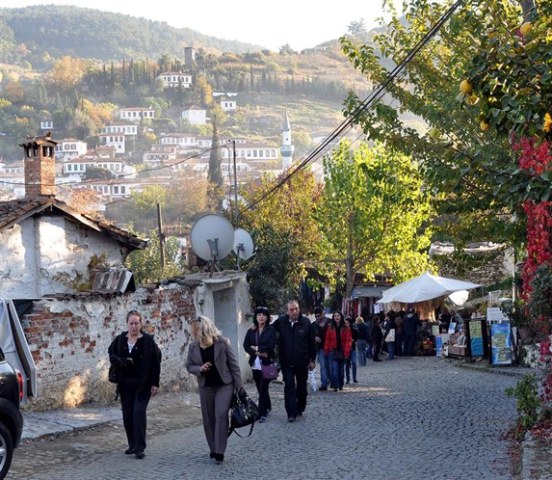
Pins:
<point x="350" y="261"/>
<point x="529" y="9"/>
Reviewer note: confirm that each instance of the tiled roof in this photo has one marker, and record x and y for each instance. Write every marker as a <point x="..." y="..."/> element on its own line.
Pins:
<point x="15" y="211"/>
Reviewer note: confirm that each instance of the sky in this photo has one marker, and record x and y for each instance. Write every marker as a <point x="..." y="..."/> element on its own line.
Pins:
<point x="299" y="23"/>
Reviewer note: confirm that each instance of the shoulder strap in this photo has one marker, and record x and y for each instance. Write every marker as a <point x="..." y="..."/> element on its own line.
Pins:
<point x="241" y="436"/>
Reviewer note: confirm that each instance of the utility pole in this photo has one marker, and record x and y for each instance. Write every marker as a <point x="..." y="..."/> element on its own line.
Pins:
<point x="161" y="237"/>
<point x="235" y="181"/>
<point x="529" y="9"/>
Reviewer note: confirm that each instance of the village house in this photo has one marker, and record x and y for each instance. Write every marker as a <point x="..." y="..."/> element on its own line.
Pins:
<point x="80" y="165"/>
<point x="120" y="127"/>
<point x="46" y="247"/>
<point x="195" y="115"/>
<point x="159" y="154"/>
<point x="47" y="124"/>
<point x="62" y="271"/>
<point x="137" y="114"/>
<point x="175" y="79"/>
<point x="115" y="140"/>
<point x="69" y="148"/>
<point x="227" y="100"/>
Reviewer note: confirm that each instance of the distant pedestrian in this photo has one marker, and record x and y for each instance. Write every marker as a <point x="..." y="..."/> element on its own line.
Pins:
<point x="377" y="338"/>
<point x="259" y="343"/>
<point x="411" y="324"/>
<point x="319" y="333"/>
<point x="351" y="362"/>
<point x="362" y="341"/>
<point x="337" y="346"/>
<point x="389" y="329"/>
<point x="138" y="361"/>
<point x="297" y="354"/>
<point x="212" y="360"/>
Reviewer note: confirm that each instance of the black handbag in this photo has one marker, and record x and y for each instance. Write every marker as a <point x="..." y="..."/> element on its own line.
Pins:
<point x="113" y="375"/>
<point x="243" y="412"/>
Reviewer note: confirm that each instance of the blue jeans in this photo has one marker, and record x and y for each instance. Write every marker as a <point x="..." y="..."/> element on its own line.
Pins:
<point x="362" y="346"/>
<point x="390" y="350"/>
<point x="337" y="372"/>
<point x="324" y="363"/>
<point x="351" y="363"/>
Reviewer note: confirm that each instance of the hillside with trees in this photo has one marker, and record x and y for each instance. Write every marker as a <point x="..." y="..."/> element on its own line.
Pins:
<point x="76" y="66"/>
<point x="41" y="34"/>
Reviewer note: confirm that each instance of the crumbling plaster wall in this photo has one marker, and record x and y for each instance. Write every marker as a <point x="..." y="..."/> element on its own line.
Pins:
<point x="69" y="336"/>
<point x="42" y="255"/>
<point x="69" y="339"/>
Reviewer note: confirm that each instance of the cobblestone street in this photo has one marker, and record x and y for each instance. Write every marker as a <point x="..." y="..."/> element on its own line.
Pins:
<point x="408" y="418"/>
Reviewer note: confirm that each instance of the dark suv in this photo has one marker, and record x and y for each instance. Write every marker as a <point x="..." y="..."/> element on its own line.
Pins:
<point x="11" y="420"/>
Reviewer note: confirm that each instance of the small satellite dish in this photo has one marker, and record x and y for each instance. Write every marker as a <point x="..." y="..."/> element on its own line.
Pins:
<point x="243" y="244"/>
<point x="212" y="237"/>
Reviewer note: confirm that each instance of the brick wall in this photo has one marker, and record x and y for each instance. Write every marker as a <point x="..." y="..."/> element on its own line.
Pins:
<point x="69" y="338"/>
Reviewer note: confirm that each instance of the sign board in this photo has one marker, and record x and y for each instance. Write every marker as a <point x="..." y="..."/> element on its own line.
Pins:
<point x="501" y="344"/>
<point x="495" y="314"/>
<point x="476" y="338"/>
<point x="440" y="340"/>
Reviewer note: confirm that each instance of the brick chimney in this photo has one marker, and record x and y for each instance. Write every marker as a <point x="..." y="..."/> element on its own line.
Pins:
<point x="40" y="166"/>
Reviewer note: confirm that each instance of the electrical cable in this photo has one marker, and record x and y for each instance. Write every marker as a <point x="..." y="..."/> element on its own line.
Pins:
<point x="364" y="105"/>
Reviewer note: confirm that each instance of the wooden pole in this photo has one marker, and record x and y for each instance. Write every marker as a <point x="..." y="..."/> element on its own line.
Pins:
<point x="161" y="237"/>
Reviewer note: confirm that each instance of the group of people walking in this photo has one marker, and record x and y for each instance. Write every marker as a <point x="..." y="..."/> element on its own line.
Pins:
<point x="291" y="341"/>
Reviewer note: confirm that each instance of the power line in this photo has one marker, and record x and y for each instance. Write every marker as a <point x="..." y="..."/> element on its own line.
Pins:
<point x="119" y="176"/>
<point x="364" y="105"/>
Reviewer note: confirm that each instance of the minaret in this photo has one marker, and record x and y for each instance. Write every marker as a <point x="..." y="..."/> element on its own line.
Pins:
<point x="287" y="147"/>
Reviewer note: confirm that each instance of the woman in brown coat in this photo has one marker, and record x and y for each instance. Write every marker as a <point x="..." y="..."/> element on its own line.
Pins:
<point x="212" y="361"/>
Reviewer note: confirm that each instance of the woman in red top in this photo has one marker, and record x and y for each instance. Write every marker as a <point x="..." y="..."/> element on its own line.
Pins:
<point x="337" y="345"/>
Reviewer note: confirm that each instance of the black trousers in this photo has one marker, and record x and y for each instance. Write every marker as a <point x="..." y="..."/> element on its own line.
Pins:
<point x="262" y="388"/>
<point x="295" y="389"/>
<point x="376" y="350"/>
<point x="134" y="405"/>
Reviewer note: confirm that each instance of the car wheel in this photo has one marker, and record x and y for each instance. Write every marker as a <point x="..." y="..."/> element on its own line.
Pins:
<point x="6" y="450"/>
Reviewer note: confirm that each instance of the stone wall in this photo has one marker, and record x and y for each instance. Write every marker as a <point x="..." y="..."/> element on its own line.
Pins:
<point x="69" y="339"/>
<point x="69" y="335"/>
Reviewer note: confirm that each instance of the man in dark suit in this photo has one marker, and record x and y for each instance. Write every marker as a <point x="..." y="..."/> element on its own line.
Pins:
<point x="297" y="354"/>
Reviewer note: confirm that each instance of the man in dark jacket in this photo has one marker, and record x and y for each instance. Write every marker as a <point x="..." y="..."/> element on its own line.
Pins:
<point x="297" y="354"/>
<point x="319" y="332"/>
<point x="410" y="330"/>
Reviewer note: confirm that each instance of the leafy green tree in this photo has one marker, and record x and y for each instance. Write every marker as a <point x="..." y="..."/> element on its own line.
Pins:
<point x="142" y="207"/>
<point x="272" y="272"/>
<point x="374" y="214"/>
<point x="146" y="264"/>
<point x="468" y="171"/>
<point x="286" y="235"/>
<point x="97" y="173"/>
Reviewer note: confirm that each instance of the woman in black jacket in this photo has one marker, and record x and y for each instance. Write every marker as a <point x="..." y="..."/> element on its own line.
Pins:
<point x="259" y="343"/>
<point x="377" y="337"/>
<point x="138" y="361"/>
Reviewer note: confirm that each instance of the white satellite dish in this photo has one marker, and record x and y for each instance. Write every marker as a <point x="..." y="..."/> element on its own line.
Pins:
<point x="243" y="244"/>
<point x="212" y="237"/>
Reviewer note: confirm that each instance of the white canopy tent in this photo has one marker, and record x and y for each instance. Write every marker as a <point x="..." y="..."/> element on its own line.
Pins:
<point x="423" y="288"/>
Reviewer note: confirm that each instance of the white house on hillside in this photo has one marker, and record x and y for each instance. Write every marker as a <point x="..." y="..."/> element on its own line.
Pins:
<point x="70" y="148"/>
<point x="194" y="115"/>
<point x="136" y="114"/>
<point x="80" y="165"/>
<point x="124" y="128"/>
<point x="117" y="141"/>
<point x="174" y="79"/>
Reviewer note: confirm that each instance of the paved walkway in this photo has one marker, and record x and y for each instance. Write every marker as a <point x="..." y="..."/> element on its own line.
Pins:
<point x="413" y="417"/>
